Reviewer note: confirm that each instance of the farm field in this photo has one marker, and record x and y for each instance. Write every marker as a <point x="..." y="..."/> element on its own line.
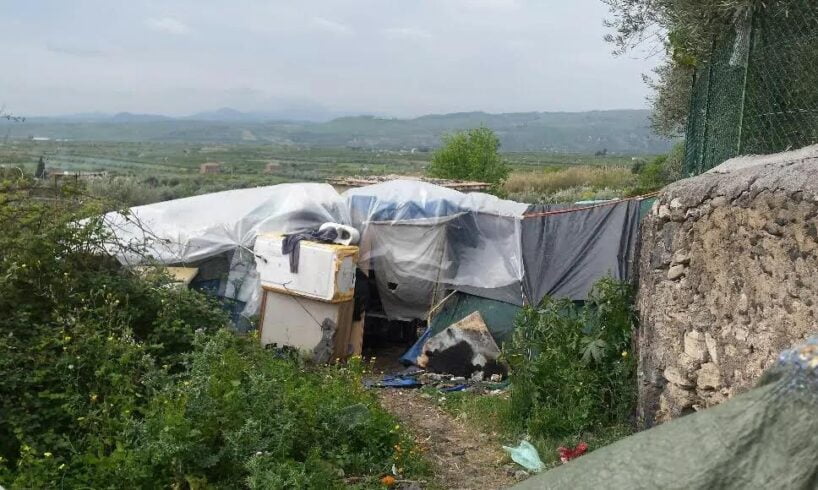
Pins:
<point x="140" y="173"/>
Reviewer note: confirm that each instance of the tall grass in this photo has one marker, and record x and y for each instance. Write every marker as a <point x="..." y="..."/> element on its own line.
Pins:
<point x="583" y="176"/>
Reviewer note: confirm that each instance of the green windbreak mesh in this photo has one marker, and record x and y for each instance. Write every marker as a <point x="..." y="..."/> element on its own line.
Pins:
<point x="758" y="93"/>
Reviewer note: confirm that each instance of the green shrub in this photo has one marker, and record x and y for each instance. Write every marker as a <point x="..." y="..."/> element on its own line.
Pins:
<point x="241" y="416"/>
<point x="470" y="155"/>
<point x="81" y="338"/>
<point x="571" y="370"/>
<point x="110" y="379"/>
<point x="662" y="171"/>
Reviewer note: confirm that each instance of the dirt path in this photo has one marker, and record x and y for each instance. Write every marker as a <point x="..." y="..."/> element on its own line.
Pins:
<point x="462" y="457"/>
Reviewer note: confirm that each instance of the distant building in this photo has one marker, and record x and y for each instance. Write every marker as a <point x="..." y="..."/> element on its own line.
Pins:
<point x="57" y="173"/>
<point x="271" y="167"/>
<point x="40" y="138"/>
<point x="210" y="168"/>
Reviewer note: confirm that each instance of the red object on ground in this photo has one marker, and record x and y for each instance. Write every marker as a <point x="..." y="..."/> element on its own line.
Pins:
<point x="567" y="454"/>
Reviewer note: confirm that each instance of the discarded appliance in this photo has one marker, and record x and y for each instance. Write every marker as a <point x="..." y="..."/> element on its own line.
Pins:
<point x="311" y="309"/>
<point x="463" y="349"/>
<point x="326" y="271"/>
<point x="318" y="329"/>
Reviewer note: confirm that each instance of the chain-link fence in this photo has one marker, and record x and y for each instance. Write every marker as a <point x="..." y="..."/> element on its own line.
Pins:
<point x="758" y="93"/>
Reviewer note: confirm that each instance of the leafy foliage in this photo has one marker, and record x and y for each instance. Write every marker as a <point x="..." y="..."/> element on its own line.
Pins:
<point x="686" y="29"/>
<point x="660" y="172"/>
<point x="111" y="379"/>
<point x="470" y="155"/>
<point x="80" y="335"/>
<point x="570" y="366"/>
<point x="39" y="172"/>
<point x="242" y="415"/>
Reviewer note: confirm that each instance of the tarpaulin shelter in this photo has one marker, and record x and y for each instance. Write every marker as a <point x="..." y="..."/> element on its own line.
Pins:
<point x="421" y="240"/>
<point x="221" y="227"/>
<point x="765" y="438"/>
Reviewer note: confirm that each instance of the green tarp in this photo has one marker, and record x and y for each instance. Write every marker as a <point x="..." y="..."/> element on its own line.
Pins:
<point x="499" y="316"/>
<point x="766" y="438"/>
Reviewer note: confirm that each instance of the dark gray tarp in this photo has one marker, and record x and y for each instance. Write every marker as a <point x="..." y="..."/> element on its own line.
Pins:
<point x="564" y="254"/>
<point x="766" y="438"/>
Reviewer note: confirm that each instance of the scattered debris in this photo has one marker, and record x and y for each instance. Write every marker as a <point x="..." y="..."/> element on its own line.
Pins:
<point x="398" y="381"/>
<point x="464" y="349"/>
<point x="415" y="378"/>
<point x="569" y="453"/>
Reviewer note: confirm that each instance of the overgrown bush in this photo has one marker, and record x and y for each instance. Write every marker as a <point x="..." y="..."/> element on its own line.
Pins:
<point x="571" y="367"/>
<point x="470" y="155"/>
<point x="79" y="336"/>
<point x="240" y="417"/>
<point x="109" y="379"/>
<point x="663" y="170"/>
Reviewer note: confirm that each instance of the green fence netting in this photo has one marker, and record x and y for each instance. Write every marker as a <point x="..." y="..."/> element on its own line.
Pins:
<point x="758" y="93"/>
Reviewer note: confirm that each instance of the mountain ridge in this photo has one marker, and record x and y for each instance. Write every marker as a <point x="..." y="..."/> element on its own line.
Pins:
<point x="625" y="131"/>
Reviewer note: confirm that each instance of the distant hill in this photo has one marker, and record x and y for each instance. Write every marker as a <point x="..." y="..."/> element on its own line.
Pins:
<point x="127" y="117"/>
<point x="620" y="131"/>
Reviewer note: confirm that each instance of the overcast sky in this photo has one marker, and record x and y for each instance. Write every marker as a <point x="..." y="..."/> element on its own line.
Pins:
<point x="389" y="57"/>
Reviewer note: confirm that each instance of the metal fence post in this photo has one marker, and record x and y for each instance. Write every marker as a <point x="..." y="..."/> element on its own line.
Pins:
<point x="706" y="117"/>
<point x="747" y="60"/>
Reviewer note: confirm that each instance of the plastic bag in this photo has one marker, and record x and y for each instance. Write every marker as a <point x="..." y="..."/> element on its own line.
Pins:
<point x="526" y="456"/>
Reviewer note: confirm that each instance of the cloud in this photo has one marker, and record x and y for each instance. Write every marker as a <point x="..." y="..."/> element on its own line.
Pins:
<point x="75" y="50"/>
<point x="332" y="26"/>
<point x="168" y="25"/>
<point x="496" y="4"/>
<point x="486" y="5"/>
<point x="407" y="33"/>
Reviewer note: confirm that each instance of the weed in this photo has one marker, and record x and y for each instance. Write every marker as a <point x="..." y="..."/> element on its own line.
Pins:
<point x="571" y="367"/>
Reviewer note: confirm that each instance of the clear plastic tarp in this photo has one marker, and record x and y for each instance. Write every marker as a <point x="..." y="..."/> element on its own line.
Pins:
<point x="194" y="228"/>
<point x="414" y="234"/>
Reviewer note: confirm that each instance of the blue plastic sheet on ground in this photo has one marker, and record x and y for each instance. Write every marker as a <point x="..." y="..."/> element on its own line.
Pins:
<point x="399" y="381"/>
<point x="460" y="387"/>
<point x="410" y="356"/>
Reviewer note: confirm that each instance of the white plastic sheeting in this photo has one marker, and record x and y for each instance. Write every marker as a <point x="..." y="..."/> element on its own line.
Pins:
<point x="195" y="228"/>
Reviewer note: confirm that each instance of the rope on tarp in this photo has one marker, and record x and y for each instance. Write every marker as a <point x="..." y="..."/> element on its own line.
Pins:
<point x="594" y="206"/>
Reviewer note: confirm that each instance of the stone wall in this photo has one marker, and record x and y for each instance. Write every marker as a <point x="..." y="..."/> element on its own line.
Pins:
<point x="728" y="277"/>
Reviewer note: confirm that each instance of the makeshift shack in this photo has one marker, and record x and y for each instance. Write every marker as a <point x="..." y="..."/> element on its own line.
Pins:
<point x="431" y="255"/>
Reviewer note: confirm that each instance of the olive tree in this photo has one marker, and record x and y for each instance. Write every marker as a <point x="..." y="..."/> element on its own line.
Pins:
<point x="470" y="155"/>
